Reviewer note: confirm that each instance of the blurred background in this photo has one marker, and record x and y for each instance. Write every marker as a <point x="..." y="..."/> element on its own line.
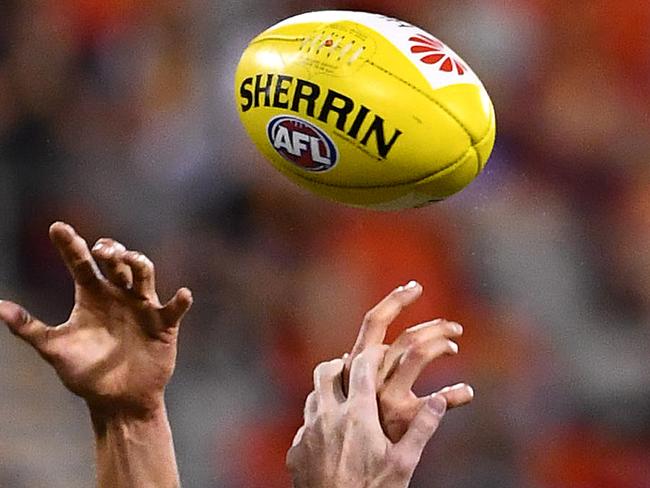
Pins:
<point x="118" y="117"/>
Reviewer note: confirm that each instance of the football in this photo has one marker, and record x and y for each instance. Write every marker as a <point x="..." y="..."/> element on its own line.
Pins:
<point x="365" y="109"/>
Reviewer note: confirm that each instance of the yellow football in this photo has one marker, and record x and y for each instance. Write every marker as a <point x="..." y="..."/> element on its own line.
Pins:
<point x="365" y="109"/>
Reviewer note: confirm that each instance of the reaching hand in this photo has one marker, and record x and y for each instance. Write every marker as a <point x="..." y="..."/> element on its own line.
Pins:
<point x="406" y="358"/>
<point x="118" y="348"/>
<point x="373" y="435"/>
<point x="342" y="444"/>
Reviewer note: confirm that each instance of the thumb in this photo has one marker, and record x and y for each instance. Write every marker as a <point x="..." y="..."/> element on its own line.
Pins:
<point x="422" y="428"/>
<point x="22" y="324"/>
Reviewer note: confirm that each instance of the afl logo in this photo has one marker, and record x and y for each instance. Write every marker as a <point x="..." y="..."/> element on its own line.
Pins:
<point x="302" y="143"/>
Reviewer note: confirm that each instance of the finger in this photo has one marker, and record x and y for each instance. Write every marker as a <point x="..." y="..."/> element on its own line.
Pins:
<point x="176" y="308"/>
<point x="457" y="395"/>
<point x="363" y="379"/>
<point x="75" y="254"/>
<point x="418" y="335"/>
<point x="144" y="279"/>
<point x="109" y="256"/>
<point x="23" y="325"/>
<point x="328" y="385"/>
<point x="423" y="426"/>
<point x="377" y="320"/>
<point x="413" y="362"/>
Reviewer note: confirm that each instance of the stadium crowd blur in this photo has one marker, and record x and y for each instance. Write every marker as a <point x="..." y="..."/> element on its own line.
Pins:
<point x="118" y="117"/>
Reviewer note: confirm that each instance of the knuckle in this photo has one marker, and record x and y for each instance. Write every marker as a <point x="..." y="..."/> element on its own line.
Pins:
<point x="311" y="398"/>
<point x="311" y="405"/>
<point x="114" y="257"/>
<point x="77" y="255"/>
<point x="378" y="315"/>
<point x="132" y="256"/>
<point x="118" y="246"/>
<point x="334" y="365"/>
<point x="146" y="262"/>
<point x="323" y="371"/>
<point x="371" y="317"/>
<point x="452" y="328"/>
<point x="414" y="339"/>
<point x="140" y="261"/>
<point x="319" y="370"/>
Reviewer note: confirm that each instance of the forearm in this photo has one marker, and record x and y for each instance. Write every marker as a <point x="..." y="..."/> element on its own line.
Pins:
<point x="135" y="452"/>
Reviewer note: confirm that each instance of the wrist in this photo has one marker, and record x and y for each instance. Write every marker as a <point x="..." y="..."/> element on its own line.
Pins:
<point x="134" y="448"/>
<point x="104" y="416"/>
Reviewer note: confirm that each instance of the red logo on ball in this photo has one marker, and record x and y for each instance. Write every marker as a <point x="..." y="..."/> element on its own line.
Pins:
<point x="435" y="52"/>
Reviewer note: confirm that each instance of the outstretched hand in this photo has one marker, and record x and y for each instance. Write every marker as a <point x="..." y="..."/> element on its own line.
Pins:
<point x="363" y="425"/>
<point x="406" y="359"/>
<point x="117" y="350"/>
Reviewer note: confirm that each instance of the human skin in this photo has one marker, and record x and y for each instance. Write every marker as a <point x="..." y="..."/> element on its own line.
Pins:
<point x="363" y="425"/>
<point x="342" y="442"/>
<point x="406" y="359"/>
<point x="117" y="351"/>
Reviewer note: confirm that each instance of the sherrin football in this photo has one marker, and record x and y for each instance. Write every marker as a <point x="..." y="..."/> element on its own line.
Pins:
<point x="365" y="109"/>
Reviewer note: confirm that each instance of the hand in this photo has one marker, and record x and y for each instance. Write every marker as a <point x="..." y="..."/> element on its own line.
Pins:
<point x="118" y="348"/>
<point x="406" y="358"/>
<point x="342" y="444"/>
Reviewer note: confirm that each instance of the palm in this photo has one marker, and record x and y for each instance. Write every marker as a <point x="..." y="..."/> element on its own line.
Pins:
<point x="118" y="348"/>
<point x="104" y="351"/>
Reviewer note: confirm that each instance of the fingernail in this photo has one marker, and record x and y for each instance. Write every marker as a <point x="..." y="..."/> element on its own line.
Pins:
<point x="437" y="404"/>
<point x="346" y="356"/>
<point x="458" y="386"/>
<point x="458" y="329"/>
<point x="411" y="285"/>
<point x="98" y="246"/>
<point x="454" y="346"/>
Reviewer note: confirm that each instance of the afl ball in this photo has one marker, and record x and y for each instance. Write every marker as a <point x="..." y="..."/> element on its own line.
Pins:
<point x="364" y="109"/>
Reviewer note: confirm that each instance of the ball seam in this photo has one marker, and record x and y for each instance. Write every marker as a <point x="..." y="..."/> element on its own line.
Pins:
<point x="432" y="99"/>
